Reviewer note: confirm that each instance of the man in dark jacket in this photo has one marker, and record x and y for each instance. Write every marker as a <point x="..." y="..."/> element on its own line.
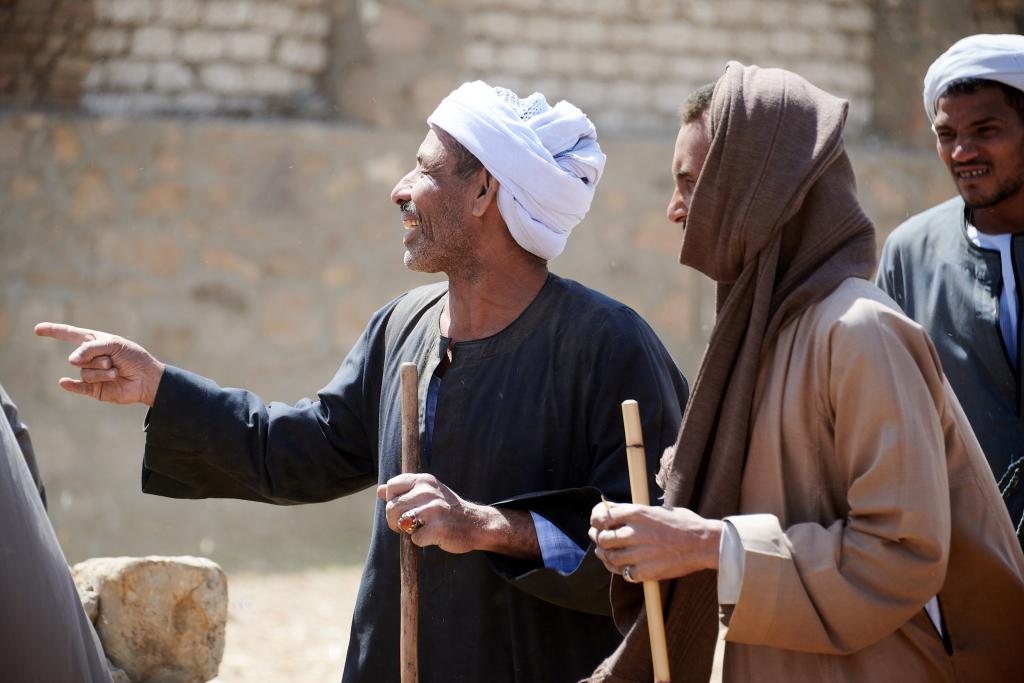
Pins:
<point x="45" y="634"/>
<point x="957" y="268"/>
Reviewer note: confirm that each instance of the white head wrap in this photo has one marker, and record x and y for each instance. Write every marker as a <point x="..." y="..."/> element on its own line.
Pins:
<point x="545" y="158"/>
<point x="987" y="56"/>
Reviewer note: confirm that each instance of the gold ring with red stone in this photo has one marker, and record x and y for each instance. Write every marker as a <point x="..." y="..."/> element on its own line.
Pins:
<point x="409" y="522"/>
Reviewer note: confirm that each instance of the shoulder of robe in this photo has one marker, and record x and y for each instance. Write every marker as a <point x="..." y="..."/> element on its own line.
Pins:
<point x="859" y="318"/>
<point x="920" y="231"/>
<point x="599" y="311"/>
<point x="412" y="301"/>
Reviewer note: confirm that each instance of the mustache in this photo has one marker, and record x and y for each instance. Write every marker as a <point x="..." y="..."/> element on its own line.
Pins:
<point x="409" y="208"/>
<point x="956" y="167"/>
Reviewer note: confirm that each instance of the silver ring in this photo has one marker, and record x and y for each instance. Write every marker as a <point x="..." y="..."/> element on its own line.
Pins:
<point x="627" y="575"/>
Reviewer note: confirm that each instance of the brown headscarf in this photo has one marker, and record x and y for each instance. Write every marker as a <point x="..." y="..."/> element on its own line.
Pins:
<point x="775" y="221"/>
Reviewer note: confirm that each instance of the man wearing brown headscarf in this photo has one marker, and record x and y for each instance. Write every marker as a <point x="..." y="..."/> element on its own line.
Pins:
<point x="824" y="468"/>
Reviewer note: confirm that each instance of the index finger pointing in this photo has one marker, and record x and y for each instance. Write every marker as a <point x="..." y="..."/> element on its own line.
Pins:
<point x="68" y="333"/>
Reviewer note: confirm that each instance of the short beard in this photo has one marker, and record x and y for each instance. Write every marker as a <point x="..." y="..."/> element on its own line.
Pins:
<point x="451" y="252"/>
<point x="1006" y="190"/>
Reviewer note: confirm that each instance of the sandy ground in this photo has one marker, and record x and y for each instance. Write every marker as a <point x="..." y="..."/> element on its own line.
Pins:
<point x="292" y="628"/>
<point x="288" y="628"/>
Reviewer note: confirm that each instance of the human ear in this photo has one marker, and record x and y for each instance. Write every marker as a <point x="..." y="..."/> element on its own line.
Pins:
<point x="486" y="192"/>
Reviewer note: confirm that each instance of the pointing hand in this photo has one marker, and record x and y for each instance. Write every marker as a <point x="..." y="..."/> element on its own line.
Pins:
<point x="111" y="368"/>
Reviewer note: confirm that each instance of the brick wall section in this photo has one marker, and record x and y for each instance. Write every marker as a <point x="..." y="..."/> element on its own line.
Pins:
<point x="204" y="56"/>
<point x="44" y="54"/>
<point x="630" y="63"/>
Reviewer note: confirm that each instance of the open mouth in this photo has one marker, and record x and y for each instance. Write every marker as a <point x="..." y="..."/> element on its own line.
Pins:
<point x="970" y="174"/>
<point x="410" y="223"/>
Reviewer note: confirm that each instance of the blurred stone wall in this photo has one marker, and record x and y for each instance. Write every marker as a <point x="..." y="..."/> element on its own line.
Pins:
<point x="253" y="251"/>
<point x="187" y="56"/>
<point x="632" y="63"/>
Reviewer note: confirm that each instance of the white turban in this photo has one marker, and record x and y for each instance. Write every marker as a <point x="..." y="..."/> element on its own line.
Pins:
<point x="545" y="158"/>
<point x="985" y="56"/>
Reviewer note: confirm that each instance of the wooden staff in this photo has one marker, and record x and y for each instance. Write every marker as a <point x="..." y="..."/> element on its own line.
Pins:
<point x="637" y="461"/>
<point x="410" y="558"/>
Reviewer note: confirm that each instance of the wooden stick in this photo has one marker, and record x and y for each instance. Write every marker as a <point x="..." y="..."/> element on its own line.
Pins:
<point x="410" y="558"/>
<point x="637" y="461"/>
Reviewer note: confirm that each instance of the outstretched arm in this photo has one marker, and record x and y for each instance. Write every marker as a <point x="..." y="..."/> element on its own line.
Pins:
<point x="111" y="368"/>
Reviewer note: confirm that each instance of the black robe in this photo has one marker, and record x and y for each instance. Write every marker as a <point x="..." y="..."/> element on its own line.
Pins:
<point x="528" y="418"/>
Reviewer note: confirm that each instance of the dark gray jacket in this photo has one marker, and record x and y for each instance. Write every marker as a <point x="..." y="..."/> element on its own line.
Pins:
<point x="45" y="636"/>
<point x="951" y="287"/>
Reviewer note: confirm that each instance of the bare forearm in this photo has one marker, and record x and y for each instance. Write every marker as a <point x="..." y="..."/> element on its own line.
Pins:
<point x="507" y="532"/>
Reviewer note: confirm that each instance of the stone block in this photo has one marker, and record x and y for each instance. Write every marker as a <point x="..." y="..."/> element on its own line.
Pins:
<point x="586" y="33"/>
<point x="307" y="55"/>
<point x="154" y="41"/>
<point x="247" y="46"/>
<point x="197" y="102"/>
<point x="586" y="94"/>
<point x="399" y="31"/>
<point x="671" y="36"/>
<point x="92" y="195"/>
<point x="604" y="63"/>
<point x="544" y="29"/>
<point x="520" y="59"/>
<point x="106" y="42"/>
<point x="180" y="12"/>
<point x="228" y="262"/>
<point x="669" y="96"/>
<point x="696" y="70"/>
<point x="501" y="25"/>
<point x="123" y="73"/>
<point x="228" y="13"/>
<point x="90" y="601"/>
<point x="172" y="76"/>
<point x="223" y="78"/>
<point x="860" y="48"/>
<point x="564" y="61"/>
<point x="629" y="94"/>
<point x="645" y="65"/>
<point x="71" y="67"/>
<point x="67" y="146"/>
<point x="852" y="78"/>
<point x="855" y="19"/>
<point x="272" y="16"/>
<point x="609" y="8"/>
<point x="200" y="46"/>
<point x="770" y="13"/>
<point x="568" y="6"/>
<point x="814" y="15"/>
<point x="159" y="618"/>
<point x="270" y="79"/>
<point x="792" y="43"/>
<point x="125" y="11"/>
<point x="630" y="35"/>
<point x="312" y="23"/>
<point x="479" y="55"/>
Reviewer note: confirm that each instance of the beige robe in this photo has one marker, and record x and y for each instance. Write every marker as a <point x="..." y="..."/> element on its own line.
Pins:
<point x="879" y="498"/>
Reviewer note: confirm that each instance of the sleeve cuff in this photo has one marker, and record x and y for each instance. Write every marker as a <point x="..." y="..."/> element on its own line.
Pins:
<point x="557" y="550"/>
<point x="731" y="564"/>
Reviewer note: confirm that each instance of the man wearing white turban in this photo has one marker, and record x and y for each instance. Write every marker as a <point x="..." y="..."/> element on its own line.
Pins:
<point x="957" y="268"/>
<point x="522" y="373"/>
